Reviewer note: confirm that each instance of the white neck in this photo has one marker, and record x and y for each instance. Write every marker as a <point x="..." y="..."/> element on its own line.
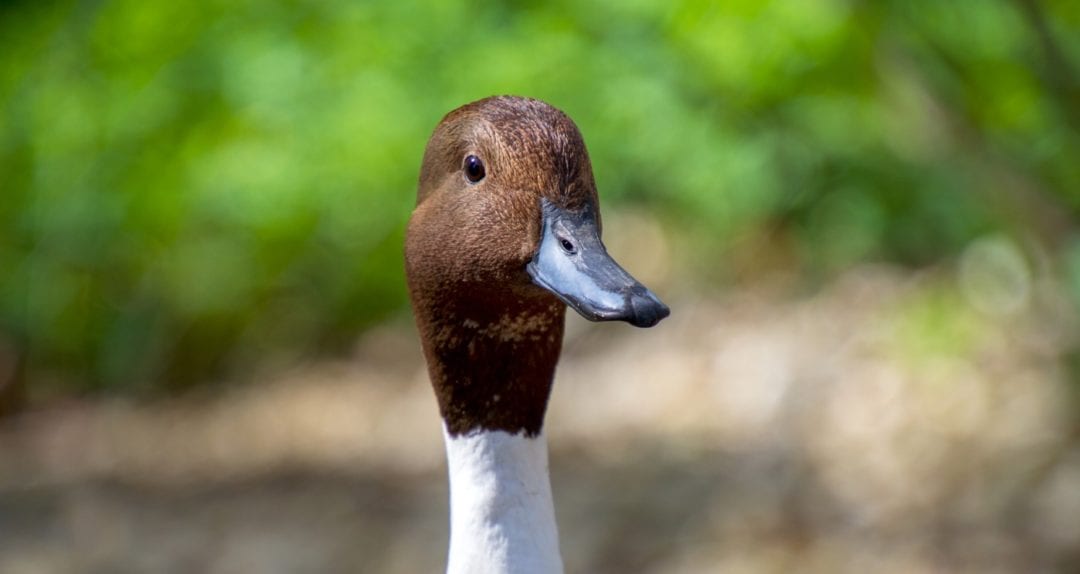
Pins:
<point x="501" y="516"/>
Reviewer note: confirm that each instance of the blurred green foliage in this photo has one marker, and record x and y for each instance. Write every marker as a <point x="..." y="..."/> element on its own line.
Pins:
<point x="191" y="187"/>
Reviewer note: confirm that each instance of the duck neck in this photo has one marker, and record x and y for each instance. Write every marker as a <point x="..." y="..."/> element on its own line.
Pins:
<point x="501" y="513"/>
<point x="492" y="362"/>
<point x="492" y="365"/>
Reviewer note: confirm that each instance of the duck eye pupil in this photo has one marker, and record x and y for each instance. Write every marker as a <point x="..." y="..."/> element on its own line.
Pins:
<point x="474" y="169"/>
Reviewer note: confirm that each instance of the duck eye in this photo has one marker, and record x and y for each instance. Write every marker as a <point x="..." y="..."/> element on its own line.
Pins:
<point x="474" y="169"/>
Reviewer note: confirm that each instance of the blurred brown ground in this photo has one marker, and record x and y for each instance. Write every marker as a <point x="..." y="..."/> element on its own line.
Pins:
<point x="754" y="431"/>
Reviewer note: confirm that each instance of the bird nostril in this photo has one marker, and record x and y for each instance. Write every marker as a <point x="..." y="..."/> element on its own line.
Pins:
<point x="567" y="246"/>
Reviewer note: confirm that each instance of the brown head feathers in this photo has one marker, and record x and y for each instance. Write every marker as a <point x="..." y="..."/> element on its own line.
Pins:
<point x="491" y="337"/>
<point x="505" y="230"/>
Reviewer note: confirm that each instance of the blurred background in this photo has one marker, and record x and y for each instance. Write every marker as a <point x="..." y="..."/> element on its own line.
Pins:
<point x="865" y="216"/>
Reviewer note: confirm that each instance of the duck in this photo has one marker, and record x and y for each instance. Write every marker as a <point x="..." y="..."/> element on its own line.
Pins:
<point x="505" y="235"/>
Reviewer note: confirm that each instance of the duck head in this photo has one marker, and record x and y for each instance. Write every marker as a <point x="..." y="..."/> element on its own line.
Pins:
<point x="506" y="234"/>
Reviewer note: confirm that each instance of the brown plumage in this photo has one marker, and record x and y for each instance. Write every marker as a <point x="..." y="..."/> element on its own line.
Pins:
<point x="491" y="336"/>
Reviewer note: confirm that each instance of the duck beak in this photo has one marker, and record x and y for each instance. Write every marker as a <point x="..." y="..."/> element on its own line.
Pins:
<point x="573" y="264"/>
